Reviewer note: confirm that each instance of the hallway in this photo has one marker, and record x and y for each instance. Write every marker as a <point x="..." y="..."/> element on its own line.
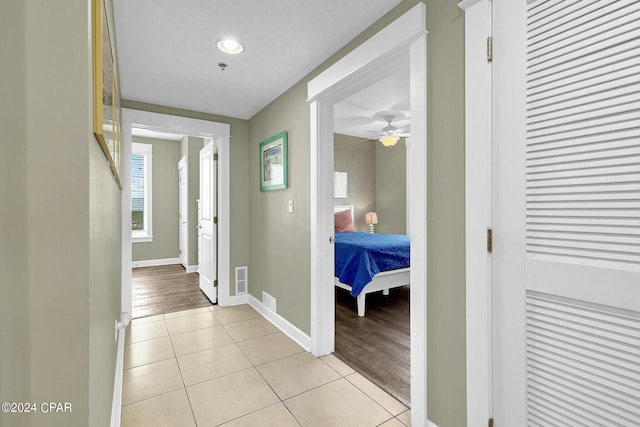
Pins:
<point x="229" y="366"/>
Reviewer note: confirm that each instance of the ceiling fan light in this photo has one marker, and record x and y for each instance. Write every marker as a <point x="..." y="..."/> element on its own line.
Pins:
<point x="230" y="46"/>
<point x="389" y="141"/>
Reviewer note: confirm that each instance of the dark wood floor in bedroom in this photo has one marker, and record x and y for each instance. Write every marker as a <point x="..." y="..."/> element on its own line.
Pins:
<point x="165" y="289"/>
<point x="377" y="345"/>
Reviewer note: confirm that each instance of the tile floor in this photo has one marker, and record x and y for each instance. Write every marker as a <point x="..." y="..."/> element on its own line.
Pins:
<point x="230" y="366"/>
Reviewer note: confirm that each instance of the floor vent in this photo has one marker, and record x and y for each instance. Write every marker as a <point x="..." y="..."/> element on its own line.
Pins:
<point x="241" y="280"/>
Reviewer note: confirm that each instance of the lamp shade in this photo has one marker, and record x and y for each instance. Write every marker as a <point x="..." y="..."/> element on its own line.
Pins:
<point x="389" y="141"/>
<point x="371" y="218"/>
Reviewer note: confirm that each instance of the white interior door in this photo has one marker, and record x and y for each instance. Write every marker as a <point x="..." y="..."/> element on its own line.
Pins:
<point x="566" y="266"/>
<point x="208" y="231"/>
<point x="183" y="216"/>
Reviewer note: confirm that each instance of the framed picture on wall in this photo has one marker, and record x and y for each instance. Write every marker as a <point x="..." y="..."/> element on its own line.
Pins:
<point x="273" y="163"/>
<point x="106" y="91"/>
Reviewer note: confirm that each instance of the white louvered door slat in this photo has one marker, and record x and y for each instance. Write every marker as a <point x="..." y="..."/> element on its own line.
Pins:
<point x="583" y="213"/>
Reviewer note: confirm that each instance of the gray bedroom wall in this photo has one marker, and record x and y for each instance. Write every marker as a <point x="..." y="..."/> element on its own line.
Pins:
<point x="280" y="242"/>
<point x="165" y="245"/>
<point x="239" y="179"/>
<point x="358" y="159"/>
<point x="391" y="188"/>
<point x="60" y="272"/>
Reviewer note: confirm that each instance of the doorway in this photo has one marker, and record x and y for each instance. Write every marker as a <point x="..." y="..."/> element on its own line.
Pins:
<point x="403" y="41"/>
<point x="177" y="125"/>
<point x="377" y="345"/>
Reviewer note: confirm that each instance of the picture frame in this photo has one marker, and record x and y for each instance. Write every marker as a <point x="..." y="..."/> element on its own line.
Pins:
<point x="274" y="162"/>
<point x="107" y="116"/>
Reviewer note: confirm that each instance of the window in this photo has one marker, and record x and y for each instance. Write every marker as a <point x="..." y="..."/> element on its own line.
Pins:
<point x="141" y="156"/>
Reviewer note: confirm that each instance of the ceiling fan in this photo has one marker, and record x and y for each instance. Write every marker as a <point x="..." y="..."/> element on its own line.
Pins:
<point x="390" y="134"/>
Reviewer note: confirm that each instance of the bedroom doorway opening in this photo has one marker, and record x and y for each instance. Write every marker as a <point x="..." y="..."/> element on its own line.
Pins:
<point x="133" y="121"/>
<point x="372" y="331"/>
<point x="401" y="42"/>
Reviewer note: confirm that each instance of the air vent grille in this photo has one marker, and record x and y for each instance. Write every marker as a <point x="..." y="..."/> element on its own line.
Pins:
<point x="242" y="284"/>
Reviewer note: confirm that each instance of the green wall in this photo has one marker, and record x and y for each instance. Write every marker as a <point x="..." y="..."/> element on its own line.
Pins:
<point x="61" y="288"/>
<point x="239" y="178"/>
<point x="166" y="155"/>
<point x="446" y="246"/>
<point x="15" y="374"/>
<point x="280" y="242"/>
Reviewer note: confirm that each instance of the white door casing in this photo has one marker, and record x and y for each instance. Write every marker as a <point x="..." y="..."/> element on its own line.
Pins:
<point x="199" y="225"/>
<point x="566" y="213"/>
<point x="182" y="126"/>
<point x="183" y="212"/>
<point x="208" y="219"/>
<point x="404" y="40"/>
<point x="478" y="210"/>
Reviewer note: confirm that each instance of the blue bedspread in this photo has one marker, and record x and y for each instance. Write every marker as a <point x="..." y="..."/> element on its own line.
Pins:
<point x="360" y="256"/>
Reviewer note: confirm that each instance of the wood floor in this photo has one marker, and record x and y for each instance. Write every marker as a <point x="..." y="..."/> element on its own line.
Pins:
<point x="377" y="345"/>
<point x="165" y="289"/>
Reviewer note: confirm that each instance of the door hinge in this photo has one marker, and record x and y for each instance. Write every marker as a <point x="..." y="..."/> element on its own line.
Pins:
<point x="490" y="422"/>
<point x="489" y="49"/>
<point x="215" y="283"/>
<point x="215" y="156"/>
<point x="215" y="219"/>
<point x="489" y="240"/>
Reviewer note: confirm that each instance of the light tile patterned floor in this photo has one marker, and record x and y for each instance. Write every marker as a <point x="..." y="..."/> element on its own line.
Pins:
<point x="230" y="366"/>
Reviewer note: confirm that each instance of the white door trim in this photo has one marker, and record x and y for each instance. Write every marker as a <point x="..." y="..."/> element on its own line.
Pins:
<point x="478" y="130"/>
<point x="183" y="209"/>
<point x="404" y="40"/>
<point x="178" y="125"/>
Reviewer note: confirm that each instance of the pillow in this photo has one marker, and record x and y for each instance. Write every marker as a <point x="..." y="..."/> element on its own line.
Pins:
<point x="343" y="221"/>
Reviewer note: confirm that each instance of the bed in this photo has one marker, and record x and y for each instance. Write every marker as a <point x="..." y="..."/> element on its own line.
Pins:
<point x="368" y="262"/>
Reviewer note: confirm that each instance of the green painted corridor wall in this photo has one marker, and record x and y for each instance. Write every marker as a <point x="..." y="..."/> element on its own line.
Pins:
<point x="280" y="241"/>
<point x="60" y="291"/>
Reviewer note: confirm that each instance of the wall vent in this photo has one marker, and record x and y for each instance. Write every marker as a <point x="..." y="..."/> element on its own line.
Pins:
<point x="242" y="284"/>
<point x="269" y="302"/>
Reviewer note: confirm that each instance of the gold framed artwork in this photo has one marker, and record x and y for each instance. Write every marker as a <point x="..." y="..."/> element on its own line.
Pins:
<point x="106" y="91"/>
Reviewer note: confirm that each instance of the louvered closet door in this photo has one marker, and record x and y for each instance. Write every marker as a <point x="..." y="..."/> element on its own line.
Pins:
<point x="583" y="213"/>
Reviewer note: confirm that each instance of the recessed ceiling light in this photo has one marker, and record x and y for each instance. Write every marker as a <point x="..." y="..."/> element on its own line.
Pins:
<point x="230" y="46"/>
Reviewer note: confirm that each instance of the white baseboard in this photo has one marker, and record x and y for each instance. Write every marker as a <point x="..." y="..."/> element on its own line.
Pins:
<point x="116" y="405"/>
<point x="281" y="323"/>
<point x="233" y="300"/>
<point x="155" y="262"/>
<point x="192" y="268"/>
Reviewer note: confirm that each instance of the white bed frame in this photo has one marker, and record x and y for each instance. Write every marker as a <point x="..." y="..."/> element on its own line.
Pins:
<point x="382" y="281"/>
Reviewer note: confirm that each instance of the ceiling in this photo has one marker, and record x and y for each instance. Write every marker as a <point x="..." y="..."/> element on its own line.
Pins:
<point x="167" y="54"/>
